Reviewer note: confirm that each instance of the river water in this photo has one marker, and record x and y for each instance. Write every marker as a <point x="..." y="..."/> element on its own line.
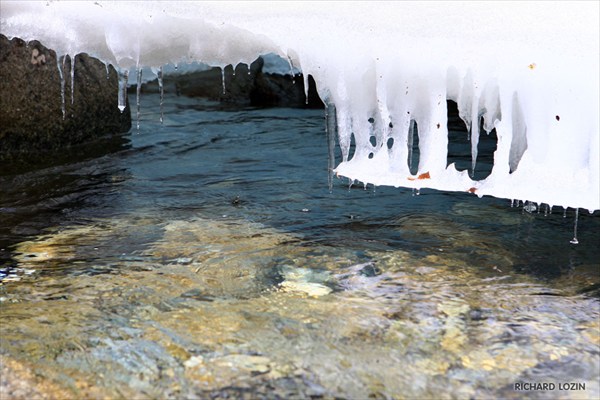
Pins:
<point x="207" y="258"/>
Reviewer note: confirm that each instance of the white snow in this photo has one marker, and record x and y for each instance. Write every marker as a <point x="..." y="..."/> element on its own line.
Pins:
<point x="531" y="69"/>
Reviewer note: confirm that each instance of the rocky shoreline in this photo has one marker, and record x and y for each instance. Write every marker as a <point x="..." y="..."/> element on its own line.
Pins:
<point x="49" y="103"/>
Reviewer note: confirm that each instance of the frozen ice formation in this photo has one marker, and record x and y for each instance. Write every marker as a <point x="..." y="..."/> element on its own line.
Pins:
<point x="529" y="70"/>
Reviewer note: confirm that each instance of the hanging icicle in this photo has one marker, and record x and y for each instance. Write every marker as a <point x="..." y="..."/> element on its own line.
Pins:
<point x="574" y="240"/>
<point x="410" y="143"/>
<point x="62" y="87"/>
<point x="474" y="131"/>
<point x="161" y="90"/>
<point x="73" y="80"/>
<point x="138" y="93"/>
<point x="223" y="79"/>
<point x="292" y="71"/>
<point x="306" y="87"/>
<point x="331" y="130"/>
<point x="123" y="76"/>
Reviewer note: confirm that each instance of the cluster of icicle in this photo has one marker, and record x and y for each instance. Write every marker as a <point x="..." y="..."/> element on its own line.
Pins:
<point x="529" y="72"/>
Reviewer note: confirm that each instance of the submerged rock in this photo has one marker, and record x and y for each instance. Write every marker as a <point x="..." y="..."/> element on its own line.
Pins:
<point x="305" y="280"/>
<point x="41" y="111"/>
<point x="311" y="289"/>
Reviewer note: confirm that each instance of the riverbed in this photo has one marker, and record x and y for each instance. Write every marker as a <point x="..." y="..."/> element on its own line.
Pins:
<point x="207" y="257"/>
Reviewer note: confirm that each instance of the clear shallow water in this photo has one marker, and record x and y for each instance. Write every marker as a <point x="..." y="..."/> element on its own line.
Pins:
<point x="207" y="257"/>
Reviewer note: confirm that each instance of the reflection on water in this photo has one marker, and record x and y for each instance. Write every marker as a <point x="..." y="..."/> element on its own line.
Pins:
<point x="218" y="265"/>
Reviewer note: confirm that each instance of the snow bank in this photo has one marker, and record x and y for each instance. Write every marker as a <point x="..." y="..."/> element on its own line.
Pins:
<point x="530" y="70"/>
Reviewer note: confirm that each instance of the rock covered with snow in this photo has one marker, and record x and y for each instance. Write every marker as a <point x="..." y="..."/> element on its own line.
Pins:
<point x="529" y="70"/>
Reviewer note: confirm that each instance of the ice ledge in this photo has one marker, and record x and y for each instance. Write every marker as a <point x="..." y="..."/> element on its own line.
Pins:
<point x="541" y="187"/>
<point x="528" y="69"/>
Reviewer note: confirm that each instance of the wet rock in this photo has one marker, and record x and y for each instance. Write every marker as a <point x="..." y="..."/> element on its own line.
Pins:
<point x="311" y="289"/>
<point x="304" y="280"/>
<point x="369" y="280"/>
<point x="218" y="266"/>
<point x="241" y="370"/>
<point x="31" y="104"/>
<point x="19" y="381"/>
<point x="511" y="359"/>
<point x="250" y="363"/>
<point x="370" y="270"/>
<point x="455" y="327"/>
<point x="476" y="314"/>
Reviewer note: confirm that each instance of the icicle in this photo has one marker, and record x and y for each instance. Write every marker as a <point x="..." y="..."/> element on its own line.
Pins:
<point x="564" y="212"/>
<point x="138" y="93"/>
<point x="550" y="209"/>
<point x="411" y="134"/>
<point x="107" y="65"/>
<point x="123" y="90"/>
<point x="292" y="71"/>
<point x="539" y="207"/>
<point x="418" y="192"/>
<point x="73" y="80"/>
<point x="575" y="241"/>
<point x="223" y="78"/>
<point x="512" y="203"/>
<point x="474" y="141"/>
<point x="305" y="77"/>
<point x="331" y="130"/>
<point x="62" y="86"/>
<point x="160" y="88"/>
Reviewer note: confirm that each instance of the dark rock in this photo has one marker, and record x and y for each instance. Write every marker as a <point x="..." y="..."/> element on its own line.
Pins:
<point x="370" y="270"/>
<point x="476" y="314"/>
<point x="31" y="105"/>
<point x="243" y="87"/>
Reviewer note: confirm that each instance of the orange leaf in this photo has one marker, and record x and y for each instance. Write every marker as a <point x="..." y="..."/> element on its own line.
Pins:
<point x="424" y="175"/>
<point x="472" y="190"/>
